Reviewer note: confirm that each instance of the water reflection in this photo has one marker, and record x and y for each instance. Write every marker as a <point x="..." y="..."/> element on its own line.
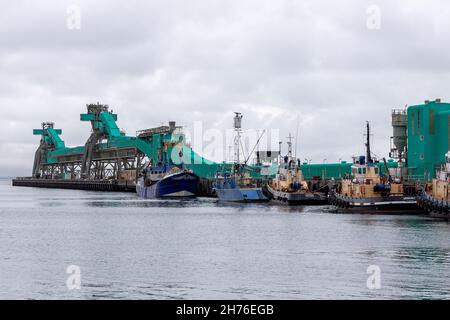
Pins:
<point x="418" y="256"/>
<point x="206" y="249"/>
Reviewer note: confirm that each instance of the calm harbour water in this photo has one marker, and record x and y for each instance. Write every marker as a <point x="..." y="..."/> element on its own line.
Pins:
<point x="128" y="248"/>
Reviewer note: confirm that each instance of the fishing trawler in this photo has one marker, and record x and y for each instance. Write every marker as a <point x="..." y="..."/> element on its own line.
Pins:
<point x="167" y="182"/>
<point x="367" y="191"/>
<point x="236" y="185"/>
<point x="434" y="197"/>
<point x="289" y="187"/>
<point x="165" y="179"/>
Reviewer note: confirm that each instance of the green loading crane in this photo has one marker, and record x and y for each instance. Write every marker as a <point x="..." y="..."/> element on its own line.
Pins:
<point x="106" y="138"/>
<point x="108" y="148"/>
<point x="50" y="141"/>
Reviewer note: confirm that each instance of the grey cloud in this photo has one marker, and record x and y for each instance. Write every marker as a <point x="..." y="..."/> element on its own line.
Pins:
<point x="156" y="61"/>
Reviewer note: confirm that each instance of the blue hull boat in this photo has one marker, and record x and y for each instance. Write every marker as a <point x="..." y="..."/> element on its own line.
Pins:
<point x="236" y="185"/>
<point x="241" y="195"/>
<point x="229" y="188"/>
<point x="176" y="185"/>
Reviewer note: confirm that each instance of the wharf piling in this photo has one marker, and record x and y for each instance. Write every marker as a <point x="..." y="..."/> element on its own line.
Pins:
<point x="205" y="188"/>
<point x="92" y="185"/>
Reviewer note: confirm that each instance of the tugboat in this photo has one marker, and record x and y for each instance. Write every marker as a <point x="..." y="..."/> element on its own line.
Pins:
<point x="434" y="198"/>
<point x="367" y="191"/>
<point x="237" y="186"/>
<point x="289" y="187"/>
<point x="165" y="181"/>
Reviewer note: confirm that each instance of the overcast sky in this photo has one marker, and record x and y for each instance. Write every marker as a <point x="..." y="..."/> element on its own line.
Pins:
<point x="155" y="61"/>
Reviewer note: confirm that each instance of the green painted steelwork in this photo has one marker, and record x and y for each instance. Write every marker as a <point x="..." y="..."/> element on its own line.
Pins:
<point x="172" y="145"/>
<point x="326" y="171"/>
<point x="428" y="138"/>
<point x="51" y="137"/>
<point x="336" y="171"/>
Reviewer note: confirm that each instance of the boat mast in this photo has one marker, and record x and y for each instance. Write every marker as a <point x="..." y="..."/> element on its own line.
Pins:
<point x="280" y="160"/>
<point x="256" y="145"/>
<point x="368" y="153"/>
<point x="289" y="143"/>
<point x="237" y="137"/>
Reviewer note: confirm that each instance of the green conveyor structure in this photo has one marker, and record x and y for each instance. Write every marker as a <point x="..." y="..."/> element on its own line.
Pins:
<point x="156" y="143"/>
<point x="106" y="135"/>
<point x="51" y="136"/>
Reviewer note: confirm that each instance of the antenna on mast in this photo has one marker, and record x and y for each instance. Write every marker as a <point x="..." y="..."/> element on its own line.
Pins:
<point x="290" y="137"/>
<point x="237" y="138"/>
<point x="279" y="152"/>
<point x="368" y="153"/>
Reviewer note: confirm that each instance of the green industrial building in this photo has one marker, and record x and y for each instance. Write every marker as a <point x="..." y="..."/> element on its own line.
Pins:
<point x="428" y="138"/>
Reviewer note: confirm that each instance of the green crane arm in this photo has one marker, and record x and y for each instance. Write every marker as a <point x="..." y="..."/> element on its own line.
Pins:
<point x="104" y="122"/>
<point x="54" y="136"/>
<point x="109" y="124"/>
<point x="51" y="137"/>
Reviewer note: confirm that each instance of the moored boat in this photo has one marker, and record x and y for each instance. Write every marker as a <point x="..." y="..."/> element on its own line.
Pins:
<point x="237" y="185"/>
<point x="367" y="191"/>
<point x="164" y="182"/>
<point x="289" y="187"/>
<point x="231" y="186"/>
<point x="434" y="198"/>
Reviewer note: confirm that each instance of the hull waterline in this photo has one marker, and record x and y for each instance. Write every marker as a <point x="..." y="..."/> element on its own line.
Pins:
<point x="295" y="198"/>
<point x="179" y="185"/>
